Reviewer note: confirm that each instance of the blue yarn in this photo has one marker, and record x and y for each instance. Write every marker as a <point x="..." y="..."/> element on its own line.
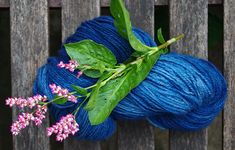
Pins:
<point x="181" y="92"/>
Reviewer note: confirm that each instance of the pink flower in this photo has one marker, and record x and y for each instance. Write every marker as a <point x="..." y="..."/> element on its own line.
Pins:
<point x="61" y="64"/>
<point x="62" y="93"/>
<point x="79" y="74"/>
<point x="72" y="98"/>
<point x="39" y="115"/>
<point x="29" y="102"/>
<point x="21" y="123"/>
<point x="71" y="66"/>
<point x="33" y="101"/>
<point x="66" y="126"/>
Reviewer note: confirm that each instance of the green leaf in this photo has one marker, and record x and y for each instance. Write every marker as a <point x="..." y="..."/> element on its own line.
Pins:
<point x="92" y="100"/>
<point x="60" y="101"/>
<point x="124" y="27"/>
<point x="109" y="95"/>
<point x="88" y="53"/>
<point x="80" y="90"/>
<point x="136" y="54"/>
<point x="160" y="36"/>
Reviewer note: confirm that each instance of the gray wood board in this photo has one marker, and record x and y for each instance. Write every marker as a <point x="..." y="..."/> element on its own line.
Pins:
<point x="104" y="3"/>
<point x="229" y="72"/>
<point x="74" y="12"/>
<point x="4" y="3"/>
<point x="190" y="18"/>
<point x="138" y="135"/>
<point x="160" y="2"/>
<point x="29" y="50"/>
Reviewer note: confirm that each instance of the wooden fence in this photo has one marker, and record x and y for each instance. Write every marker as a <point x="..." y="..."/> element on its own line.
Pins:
<point x="29" y="48"/>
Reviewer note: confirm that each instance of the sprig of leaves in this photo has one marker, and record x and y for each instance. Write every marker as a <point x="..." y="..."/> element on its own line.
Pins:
<point x="115" y="80"/>
<point x="124" y="27"/>
<point x="93" y="58"/>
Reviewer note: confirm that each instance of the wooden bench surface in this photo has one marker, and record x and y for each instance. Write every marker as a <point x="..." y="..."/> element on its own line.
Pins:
<point x="29" y="29"/>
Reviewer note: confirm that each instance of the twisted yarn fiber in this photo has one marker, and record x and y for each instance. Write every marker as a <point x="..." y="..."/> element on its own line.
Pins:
<point x="181" y="92"/>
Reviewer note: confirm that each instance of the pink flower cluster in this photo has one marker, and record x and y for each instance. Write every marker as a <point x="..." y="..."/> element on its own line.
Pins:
<point x="24" y="120"/>
<point x="21" y="123"/>
<point x="39" y="115"/>
<point x="62" y="93"/>
<point x="71" y="66"/>
<point x="63" y="129"/>
<point x="29" y="102"/>
<point x="67" y="125"/>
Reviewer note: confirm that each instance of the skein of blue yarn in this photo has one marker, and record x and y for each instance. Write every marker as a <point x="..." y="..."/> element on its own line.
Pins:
<point x="181" y="92"/>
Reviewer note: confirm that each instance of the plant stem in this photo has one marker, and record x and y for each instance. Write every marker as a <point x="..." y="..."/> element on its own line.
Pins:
<point x="169" y="42"/>
<point x="166" y="44"/>
<point x="76" y="111"/>
<point x="90" y="87"/>
<point x="121" y="68"/>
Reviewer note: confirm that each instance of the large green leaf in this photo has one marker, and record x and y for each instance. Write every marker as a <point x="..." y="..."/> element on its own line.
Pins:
<point x="124" y="27"/>
<point x="93" y="98"/>
<point x="95" y="56"/>
<point x="109" y="95"/>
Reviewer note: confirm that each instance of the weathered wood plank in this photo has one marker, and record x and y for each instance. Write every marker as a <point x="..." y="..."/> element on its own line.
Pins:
<point x="4" y="3"/>
<point x="76" y="11"/>
<point x="73" y="13"/>
<point x="55" y="3"/>
<point x="104" y="3"/>
<point x="215" y="1"/>
<point x="229" y="72"/>
<point x="190" y="18"/>
<point x="29" y="50"/>
<point x="138" y="135"/>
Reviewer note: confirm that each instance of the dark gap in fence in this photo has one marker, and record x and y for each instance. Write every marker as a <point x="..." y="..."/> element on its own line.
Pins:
<point x="161" y="21"/>
<point x="215" y="55"/>
<point x="105" y="11"/>
<point x="55" y="44"/>
<point x="5" y="82"/>
<point x="55" y="30"/>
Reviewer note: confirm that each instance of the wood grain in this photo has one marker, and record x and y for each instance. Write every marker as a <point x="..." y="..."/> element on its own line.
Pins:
<point x="229" y="72"/>
<point x="4" y="3"/>
<point x="29" y="50"/>
<point x="55" y="3"/>
<point x="138" y="135"/>
<point x="74" y="12"/>
<point x="190" y="18"/>
<point x="104" y="3"/>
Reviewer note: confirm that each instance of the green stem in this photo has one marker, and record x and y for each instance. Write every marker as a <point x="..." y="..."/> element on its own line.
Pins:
<point x="90" y="87"/>
<point x="166" y="44"/>
<point x="76" y="111"/>
<point x="120" y="70"/>
<point x="169" y="42"/>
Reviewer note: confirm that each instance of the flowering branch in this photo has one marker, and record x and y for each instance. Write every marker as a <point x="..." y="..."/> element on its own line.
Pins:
<point x="67" y="124"/>
<point x="96" y="61"/>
